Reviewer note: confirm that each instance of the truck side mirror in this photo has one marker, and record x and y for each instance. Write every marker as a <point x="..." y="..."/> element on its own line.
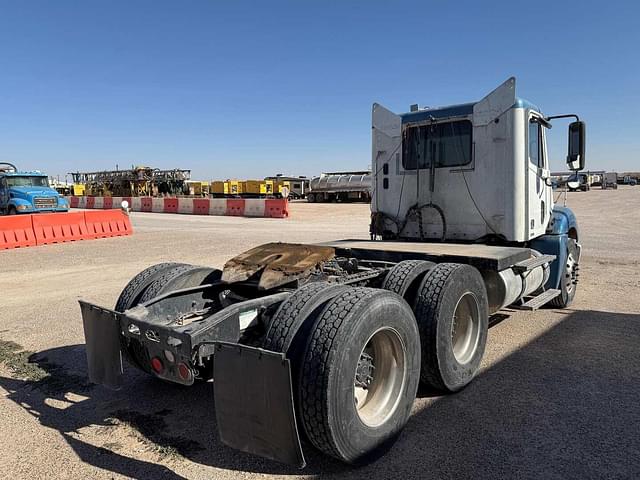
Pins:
<point x="577" y="139"/>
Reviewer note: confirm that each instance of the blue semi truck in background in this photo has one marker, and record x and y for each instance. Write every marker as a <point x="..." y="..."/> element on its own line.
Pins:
<point x="27" y="192"/>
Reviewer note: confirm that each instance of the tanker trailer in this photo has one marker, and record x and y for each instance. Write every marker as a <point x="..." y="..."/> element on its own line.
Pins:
<point x="341" y="187"/>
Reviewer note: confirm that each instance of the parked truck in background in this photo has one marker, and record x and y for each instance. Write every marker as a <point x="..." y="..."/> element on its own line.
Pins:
<point x="27" y="192"/>
<point x="579" y="182"/>
<point x="340" y="187"/>
<point x="610" y="180"/>
<point x="330" y="341"/>
<point x="289" y="186"/>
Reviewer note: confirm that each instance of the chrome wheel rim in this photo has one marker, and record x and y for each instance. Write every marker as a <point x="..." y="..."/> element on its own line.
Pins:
<point x="379" y="377"/>
<point x="465" y="328"/>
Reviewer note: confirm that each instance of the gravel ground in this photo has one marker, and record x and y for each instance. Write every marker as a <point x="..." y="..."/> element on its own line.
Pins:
<point x="556" y="398"/>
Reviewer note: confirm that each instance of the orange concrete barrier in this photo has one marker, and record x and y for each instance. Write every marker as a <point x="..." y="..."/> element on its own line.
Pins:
<point x="235" y="207"/>
<point x="146" y="204"/>
<point x="170" y="205"/>
<point x="58" y="227"/>
<point x="201" y="206"/>
<point x="45" y="228"/>
<point x="107" y="223"/>
<point x="16" y="231"/>
<point x="276" y="208"/>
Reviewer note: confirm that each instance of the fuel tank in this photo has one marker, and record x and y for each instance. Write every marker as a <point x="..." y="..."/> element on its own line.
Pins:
<point x="506" y="287"/>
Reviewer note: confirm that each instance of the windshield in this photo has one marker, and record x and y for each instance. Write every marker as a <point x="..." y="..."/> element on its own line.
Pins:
<point x="27" y="181"/>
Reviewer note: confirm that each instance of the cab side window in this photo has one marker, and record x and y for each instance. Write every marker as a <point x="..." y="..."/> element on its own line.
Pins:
<point x="536" y="155"/>
<point x="534" y="143"/>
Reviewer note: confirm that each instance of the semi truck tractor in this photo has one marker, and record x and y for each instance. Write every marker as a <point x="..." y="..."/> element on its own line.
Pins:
<point x="27" y="192"/>
<point x="324" y="345"/>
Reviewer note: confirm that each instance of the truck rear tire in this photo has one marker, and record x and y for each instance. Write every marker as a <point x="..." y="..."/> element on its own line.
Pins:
<point x="452" y="312"/>
<point x="130" y="297"/>
<point x="289" y="328"/>
<point x="178" y="277"/>
<point x="137" y="285"/>
<point x="294" y="312"/>
<point x="359" y="374"/>
<point x="568" y="278"/>
<point x="148" y="284"/>
<point x="403" y="278"/>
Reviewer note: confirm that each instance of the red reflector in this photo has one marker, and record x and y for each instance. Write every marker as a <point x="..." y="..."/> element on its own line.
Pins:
<point x="184" y="371"/>
<point x="156" y="365"/>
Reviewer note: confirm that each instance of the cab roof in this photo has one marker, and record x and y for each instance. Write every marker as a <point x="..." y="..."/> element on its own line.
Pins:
<point x="460" y="110"/>
<point x="33" y="173"/>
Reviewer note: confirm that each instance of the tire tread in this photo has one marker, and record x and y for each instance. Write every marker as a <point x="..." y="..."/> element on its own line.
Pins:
<point x="138" y="284"/>
<point x="282" y="324"/>
<point x="426" y="306"/>
<point x="396" y="278"/>
<point x="314" y="383"/>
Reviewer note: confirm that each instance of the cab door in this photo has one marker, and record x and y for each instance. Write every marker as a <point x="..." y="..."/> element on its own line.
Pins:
<point x="539" y="193"/>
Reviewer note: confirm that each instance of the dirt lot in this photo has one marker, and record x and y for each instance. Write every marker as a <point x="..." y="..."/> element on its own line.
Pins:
<point x="557" y="396"/>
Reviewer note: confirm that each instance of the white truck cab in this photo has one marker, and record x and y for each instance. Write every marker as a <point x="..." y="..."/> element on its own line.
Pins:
<point x="472" y="172"/>
<point x="333" y="339"/>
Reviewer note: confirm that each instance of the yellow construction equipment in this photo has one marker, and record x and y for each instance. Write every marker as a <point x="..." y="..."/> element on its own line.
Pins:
<point x="236" y="187"/>
<point x="219" y="187"/>
<point x="279" y="185"/>
<point x="252" y="187"/>
<point x="266" y="187"/>
<point x="79" y="189"/>
<point x="246" y="188"/>
<point x="198" y="188"/>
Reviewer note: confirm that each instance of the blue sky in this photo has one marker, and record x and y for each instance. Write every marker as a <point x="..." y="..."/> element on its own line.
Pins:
<point x="248" y="89"/>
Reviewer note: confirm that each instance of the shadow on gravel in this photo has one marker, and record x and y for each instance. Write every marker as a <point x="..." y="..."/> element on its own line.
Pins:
<point x="563" y="406"/>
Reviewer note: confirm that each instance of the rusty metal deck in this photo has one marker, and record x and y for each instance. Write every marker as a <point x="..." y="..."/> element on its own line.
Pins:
<point x="276" y="263"/>
<point x="480" y="256"/>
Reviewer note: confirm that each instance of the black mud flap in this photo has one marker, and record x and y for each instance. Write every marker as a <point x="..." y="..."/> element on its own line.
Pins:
<point x="102" y="339"/>
<point x="254" y="402"/>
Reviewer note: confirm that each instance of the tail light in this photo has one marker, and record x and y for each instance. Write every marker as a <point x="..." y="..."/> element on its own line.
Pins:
<point x="184" y="372"/>
<point x="157" y="365"/>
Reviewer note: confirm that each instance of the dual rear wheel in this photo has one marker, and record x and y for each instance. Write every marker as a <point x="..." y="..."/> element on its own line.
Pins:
<point x="358" y="354"/>
<point x="355" y="366"/>
<point x="149" y="283"/>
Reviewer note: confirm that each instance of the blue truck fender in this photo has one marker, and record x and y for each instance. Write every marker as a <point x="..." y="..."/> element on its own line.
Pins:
<point x="563" y="221"/>
<point x="562" y="226"/>
<point x="63" y="204"/>
<point x="16" y="202"/>
<point x="552" y="245"/>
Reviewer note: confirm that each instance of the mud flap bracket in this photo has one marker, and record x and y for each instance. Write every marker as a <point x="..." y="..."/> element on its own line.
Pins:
<point x="254" y="402"/>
